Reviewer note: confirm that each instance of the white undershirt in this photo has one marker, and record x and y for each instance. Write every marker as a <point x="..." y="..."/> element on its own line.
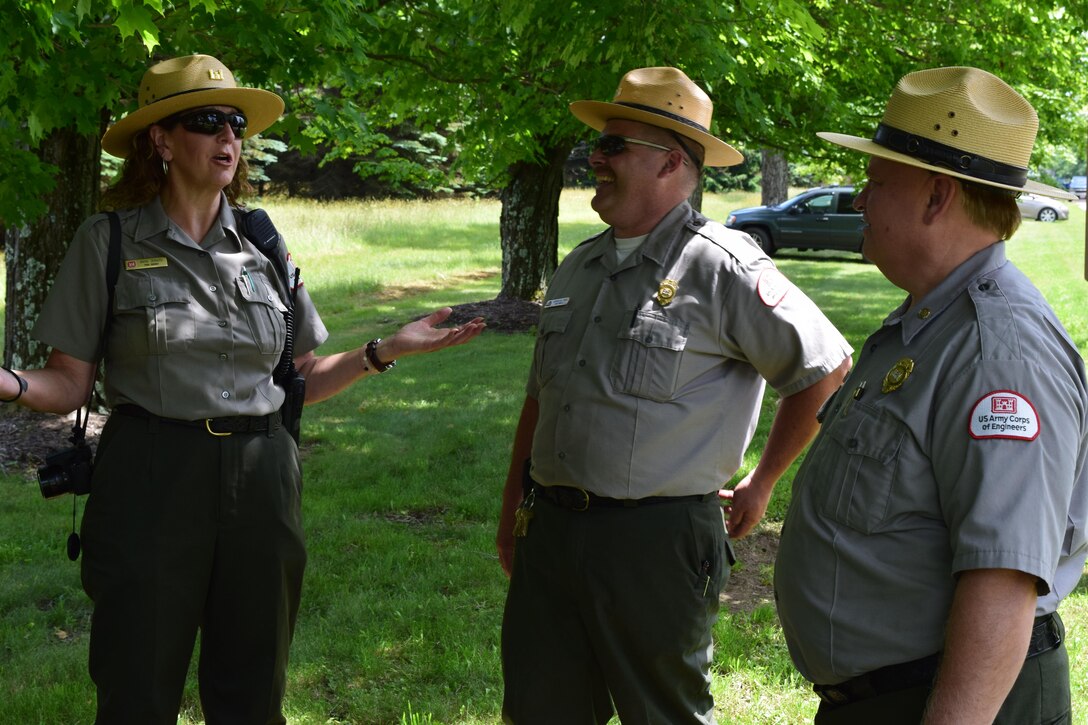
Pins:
<point x="624" y="247"/>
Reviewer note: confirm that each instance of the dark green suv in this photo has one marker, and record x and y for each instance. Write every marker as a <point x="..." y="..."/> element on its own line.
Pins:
<point x="822" y="218"/>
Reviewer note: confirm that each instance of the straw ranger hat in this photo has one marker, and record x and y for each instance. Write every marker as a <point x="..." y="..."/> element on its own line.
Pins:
<point x="666" y="98"/>
<point x="963" y="122"/>
<point x="191" y="81"/>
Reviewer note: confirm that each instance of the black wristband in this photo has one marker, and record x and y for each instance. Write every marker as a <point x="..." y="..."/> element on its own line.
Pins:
<point x="22" y="387"/>
<point x="372" y="356"/>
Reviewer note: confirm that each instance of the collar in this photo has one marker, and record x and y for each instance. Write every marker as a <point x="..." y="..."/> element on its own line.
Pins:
<point x="675" y="228"/>
<point x="153" y="221"/>
<point x="982" y="263"/>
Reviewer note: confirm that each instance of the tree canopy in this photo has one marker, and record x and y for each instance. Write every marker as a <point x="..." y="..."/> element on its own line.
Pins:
<point x="495" y="77"/>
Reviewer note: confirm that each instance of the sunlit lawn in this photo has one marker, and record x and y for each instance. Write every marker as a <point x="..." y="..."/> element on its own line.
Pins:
<point x="403" y="595"/>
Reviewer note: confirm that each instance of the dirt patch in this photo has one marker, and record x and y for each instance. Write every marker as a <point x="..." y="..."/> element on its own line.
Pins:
<point x="27" y="437"/>
<point x="750" y="585"/>
<point x="500" y="314"/>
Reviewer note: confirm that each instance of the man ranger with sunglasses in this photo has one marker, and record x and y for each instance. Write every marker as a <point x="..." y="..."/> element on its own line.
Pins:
<point x="654" y="342"/>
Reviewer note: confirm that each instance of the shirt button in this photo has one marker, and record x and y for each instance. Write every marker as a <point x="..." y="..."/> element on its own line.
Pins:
<point x="151" y="298"/>
<point x="562" y="455"/>
<point x="852" y="444"/>
<point x="581" y="363"/>
<point x="597" y="318"/>
<point x="566" y="408"/>
<point x="649" y="338"/>
<point x="222" y="356"/>
<point x="923" y="313"/>
<point x="212" y="288"/>
<point x="202" y="255"/>
<point x="222" y="323"/>
<point x="225" y="394"/>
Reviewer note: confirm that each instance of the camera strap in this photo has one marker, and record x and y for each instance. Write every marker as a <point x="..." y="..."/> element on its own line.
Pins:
<point x="79" y="430"/>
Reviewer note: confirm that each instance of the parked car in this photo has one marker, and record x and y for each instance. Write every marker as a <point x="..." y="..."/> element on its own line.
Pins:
<point x="821" y="218"/>
<point x="1041" y="208"/>
<point x="1079" y="185"/>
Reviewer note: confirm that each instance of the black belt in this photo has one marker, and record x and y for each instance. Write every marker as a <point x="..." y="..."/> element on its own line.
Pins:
<point x="1045" y="636"/>
<point x="223" y="426"/>
<point x="577" y="499"/>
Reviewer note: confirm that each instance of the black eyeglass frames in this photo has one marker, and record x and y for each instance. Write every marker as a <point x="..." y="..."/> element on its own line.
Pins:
<point x="209" y="121"/>
<point x="611" y="144"/>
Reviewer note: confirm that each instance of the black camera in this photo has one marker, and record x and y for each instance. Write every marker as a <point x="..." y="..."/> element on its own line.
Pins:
<point x="66" y="471"/>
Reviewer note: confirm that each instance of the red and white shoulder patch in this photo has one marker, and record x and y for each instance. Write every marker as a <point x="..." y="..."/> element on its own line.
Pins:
<point x="772" y="287"/>
<point x="1004" y="414"/>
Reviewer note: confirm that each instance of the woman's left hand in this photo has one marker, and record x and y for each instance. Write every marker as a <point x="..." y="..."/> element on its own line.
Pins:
<point x="423" y="336"/>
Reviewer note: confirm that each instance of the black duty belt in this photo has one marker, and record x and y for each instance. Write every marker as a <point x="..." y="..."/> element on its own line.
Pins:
<point x="223" y="426"/>
<point x="1045" y="636"/>
<point x="577" y="499"/>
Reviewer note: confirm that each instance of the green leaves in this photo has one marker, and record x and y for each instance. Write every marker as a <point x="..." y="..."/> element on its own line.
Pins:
<point x="137" y="20"/>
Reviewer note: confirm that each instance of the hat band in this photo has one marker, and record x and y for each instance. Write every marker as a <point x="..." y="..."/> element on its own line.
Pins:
<point x="938" y="154"/>
<point x="191" y="90"/>
<point x="666" y="114"/>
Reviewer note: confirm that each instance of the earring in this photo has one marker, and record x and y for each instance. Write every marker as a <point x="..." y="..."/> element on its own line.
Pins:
<point x="165" y="167"/>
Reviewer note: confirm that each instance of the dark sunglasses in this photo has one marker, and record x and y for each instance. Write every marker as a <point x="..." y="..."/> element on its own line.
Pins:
<point x="610" y="144"/>
<point x="209" y="121"/>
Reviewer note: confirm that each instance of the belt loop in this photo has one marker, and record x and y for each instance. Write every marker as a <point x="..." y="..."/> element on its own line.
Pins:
<point x="269" y="425"/>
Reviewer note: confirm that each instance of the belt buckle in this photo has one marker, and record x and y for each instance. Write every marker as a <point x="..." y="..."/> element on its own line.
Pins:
<point x="208" y="427"/>
<point x="585" y="500"/>
<point x="832" y="695"/>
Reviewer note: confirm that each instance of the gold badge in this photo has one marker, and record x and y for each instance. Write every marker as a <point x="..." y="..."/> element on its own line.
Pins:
<point x="897" y="375"/>
<point x="666" y="291"/>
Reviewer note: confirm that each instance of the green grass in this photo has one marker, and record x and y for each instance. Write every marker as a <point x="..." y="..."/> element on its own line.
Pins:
<point x="403" y="595"/>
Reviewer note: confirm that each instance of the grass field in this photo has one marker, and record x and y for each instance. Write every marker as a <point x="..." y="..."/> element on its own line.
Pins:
<point x="403" y="595"/>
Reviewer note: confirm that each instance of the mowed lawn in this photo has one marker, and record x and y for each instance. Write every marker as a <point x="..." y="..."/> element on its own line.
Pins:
<point x="403" y="596"/>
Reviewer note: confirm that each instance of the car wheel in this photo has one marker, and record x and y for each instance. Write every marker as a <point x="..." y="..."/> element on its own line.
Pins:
<point x="1046" y="214"/>
<point x="763" y="239"/>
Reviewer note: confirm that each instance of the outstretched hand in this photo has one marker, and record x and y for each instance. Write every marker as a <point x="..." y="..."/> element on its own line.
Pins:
<point x="424" y="336"/>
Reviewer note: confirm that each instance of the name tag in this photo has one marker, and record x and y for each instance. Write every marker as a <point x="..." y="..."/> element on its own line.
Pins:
<point x="145" y="263"/>
<point x="557" y="302"/>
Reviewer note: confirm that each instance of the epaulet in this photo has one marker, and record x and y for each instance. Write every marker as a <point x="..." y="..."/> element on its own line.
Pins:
<point x="735" y="243"/>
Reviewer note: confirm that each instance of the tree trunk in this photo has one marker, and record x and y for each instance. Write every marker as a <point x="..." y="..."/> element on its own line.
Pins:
<point x="32" y="254"/>
<point x="529" y="224"/>
<point x="776" y="177"/>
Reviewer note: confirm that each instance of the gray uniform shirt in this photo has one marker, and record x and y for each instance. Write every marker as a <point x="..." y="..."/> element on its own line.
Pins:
<point x="197" y="329"/>
<point x="976" y="460"/>
<point x="649" y="373"/>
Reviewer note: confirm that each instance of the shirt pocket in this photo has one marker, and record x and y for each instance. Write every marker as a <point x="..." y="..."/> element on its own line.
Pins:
<point x="648" y="356"/>
<point x="860" y="459"/>
<point x="264" y="311"/>
<point x="166" y="305"/>
<point x="547" y="356"/>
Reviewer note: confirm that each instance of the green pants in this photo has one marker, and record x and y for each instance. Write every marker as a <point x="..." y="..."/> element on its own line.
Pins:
<point x="1040" y="696"/>
<point x="614" y="606"/>
<point x="185" y="531"/>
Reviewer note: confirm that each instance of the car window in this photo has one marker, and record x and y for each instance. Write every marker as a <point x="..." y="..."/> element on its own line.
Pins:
<point x="846" y="204"/>
<point x="820" y="203"/>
